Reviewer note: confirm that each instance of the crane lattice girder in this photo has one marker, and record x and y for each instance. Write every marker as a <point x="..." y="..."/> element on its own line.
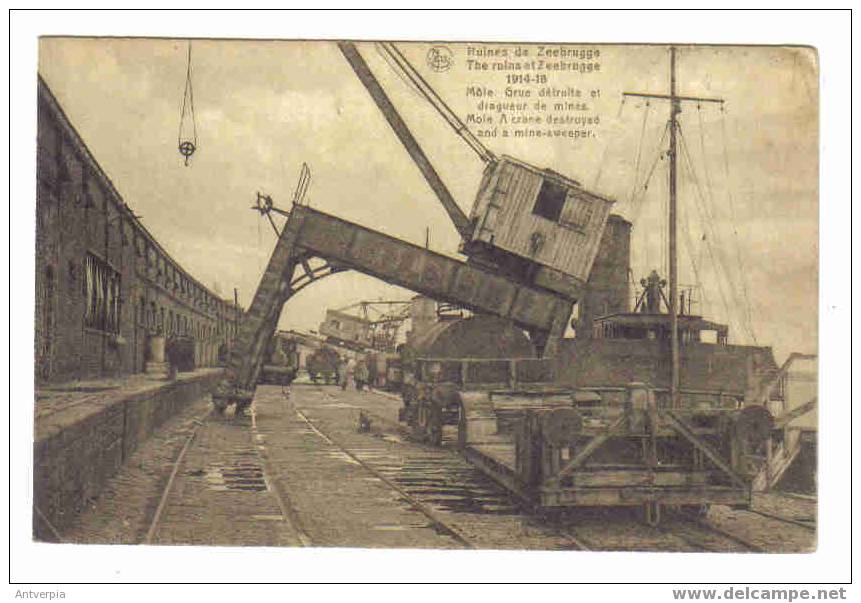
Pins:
<point x="351" y="246"/>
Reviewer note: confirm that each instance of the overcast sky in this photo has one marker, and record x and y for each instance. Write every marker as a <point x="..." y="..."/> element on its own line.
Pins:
<point x="264" y="108"/>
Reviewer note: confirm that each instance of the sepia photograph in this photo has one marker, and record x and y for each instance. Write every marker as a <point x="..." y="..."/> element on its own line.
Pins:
<point x="438" y="294"/>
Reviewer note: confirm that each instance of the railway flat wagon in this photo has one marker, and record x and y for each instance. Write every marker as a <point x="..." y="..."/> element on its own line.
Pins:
<point x="556" y="444"/>
<point x="559" y="447"/>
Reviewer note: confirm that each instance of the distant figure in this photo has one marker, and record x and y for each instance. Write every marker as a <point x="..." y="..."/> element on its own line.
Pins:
<point x="343" y="369"/>
<point x="171" y="356"/>
<point x="361" y="374"/>
<point x="653" y="294"/>
<point x="373" y="375"/>
<point x="350" y="373"/>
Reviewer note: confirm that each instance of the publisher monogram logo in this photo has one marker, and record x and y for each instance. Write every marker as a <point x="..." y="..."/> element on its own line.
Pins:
<point x="440" y="58"/>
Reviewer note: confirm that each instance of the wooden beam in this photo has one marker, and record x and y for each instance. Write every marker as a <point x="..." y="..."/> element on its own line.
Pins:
<point x="796" y="412"/>
<point x="686" y="432"/>
<point x="593" y="445"/>
<point x="697" y="99"/>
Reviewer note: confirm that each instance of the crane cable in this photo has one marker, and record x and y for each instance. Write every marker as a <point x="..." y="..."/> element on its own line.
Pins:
<point x="437" y="103"/>
<point x="603" y="161"/>
<point x="187" y="147"/>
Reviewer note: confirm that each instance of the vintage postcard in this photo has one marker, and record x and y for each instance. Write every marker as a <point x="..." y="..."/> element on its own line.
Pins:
<point x="439" y="295"/>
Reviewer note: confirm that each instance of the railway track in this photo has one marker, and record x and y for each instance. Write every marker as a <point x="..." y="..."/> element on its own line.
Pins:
<point x="456" y="500"/>
<point x="787" y="520"/>
<point x="743" y="542"/>
<point x="254" y="456"/>
<point x="168" y="487"/>
<point x="701" y="535"/>
<point x="417" y="504"/>
<point x="583" y="536"/>
<point x="435" y="482"/>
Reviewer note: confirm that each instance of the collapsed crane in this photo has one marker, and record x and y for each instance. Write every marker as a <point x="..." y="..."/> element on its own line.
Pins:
<point x="530" y="241"/>
<point x="525" y="413"/>
<point x="376" y="326"/>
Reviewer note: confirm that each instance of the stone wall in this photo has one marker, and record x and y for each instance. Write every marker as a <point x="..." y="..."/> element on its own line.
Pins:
<point x="78" y="448"/>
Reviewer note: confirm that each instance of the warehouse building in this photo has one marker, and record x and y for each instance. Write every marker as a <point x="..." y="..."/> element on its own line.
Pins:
<point x="109" y="298"/>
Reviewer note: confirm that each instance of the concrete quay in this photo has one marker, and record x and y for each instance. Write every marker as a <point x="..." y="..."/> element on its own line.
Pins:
<point x="298" y="471"/>
<point x="85" y="431"/>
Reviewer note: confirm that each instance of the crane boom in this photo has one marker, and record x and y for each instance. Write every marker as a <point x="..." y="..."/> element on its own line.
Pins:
<point x="363" y="72"/>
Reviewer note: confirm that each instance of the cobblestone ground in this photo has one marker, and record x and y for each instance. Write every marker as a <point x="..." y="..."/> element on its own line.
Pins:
<point x="297" y="471"/>
<point x="767" y="533"/>
<point x="122" y="512"/>
<point x="457" y="494"/>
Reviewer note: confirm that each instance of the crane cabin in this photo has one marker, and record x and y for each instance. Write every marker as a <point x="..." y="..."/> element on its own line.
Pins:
<point x="536" y="222"/>
<point x="530" y="224"/>
<point x="341" y="327"/>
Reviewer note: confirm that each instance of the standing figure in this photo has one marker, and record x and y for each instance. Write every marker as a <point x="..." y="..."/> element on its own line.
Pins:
<point x="351" y="371"/>
<point x="361" y="374"/>
<point x="343" y="369"/>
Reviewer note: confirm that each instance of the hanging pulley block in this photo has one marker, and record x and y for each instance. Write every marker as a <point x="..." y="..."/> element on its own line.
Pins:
<point x="186" y="144"/>
<point x="186" y="148"/>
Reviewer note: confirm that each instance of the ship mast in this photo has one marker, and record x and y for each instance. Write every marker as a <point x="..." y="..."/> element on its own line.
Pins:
<point x="673" y="125"/>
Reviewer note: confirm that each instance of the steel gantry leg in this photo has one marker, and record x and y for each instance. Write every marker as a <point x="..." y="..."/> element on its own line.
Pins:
<point x="259" y="322"/>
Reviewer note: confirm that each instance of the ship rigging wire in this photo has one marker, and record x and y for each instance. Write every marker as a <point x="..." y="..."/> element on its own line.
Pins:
<point x="732" y="294"/>
<point x="707" y="237"/>
<point x="639" y="151"/>
<point x="744" y="304"/>
<point x="742" y="264"/>
<point x="709" y="225"/>
<point x="603" y="162"/>
<point x="638" y="202"/>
